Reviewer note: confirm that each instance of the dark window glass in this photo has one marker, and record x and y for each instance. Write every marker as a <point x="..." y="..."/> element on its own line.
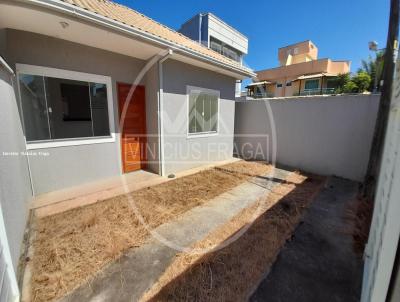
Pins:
<point x="203" y="112"/>
<point x="216" y="46"/>
<point x="332" y="83"/>
<point x="34" y="108"/>
<point x="224" y="49"/>
<point x="311" y="84"/>
<point x="69" y="108"/>
<point x="98" y="98"/>
<point x="55" y="108"/>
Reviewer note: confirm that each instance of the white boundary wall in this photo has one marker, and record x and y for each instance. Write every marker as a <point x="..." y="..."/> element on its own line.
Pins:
<point x="384" y="233"/>
<point x="15" y="192"/>
<point x="327" y="135"/>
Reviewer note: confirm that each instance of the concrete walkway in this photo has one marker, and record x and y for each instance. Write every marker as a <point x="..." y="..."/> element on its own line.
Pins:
<point x="133" y="274"/>
<point x="319" y="263"/>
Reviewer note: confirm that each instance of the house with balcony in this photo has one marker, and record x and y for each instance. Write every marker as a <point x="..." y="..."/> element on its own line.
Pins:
<point x="300" y="72"/>
<point x="214" y="33"/>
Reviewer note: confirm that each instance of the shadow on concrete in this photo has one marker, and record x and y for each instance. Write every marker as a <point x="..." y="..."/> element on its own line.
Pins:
<point x="320" y="264"/>
<point x="233" y="273"/>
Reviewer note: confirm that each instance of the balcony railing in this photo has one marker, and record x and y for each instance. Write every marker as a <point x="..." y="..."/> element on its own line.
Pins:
<point x="317" y="91"/>
<point x="259" y="95"/>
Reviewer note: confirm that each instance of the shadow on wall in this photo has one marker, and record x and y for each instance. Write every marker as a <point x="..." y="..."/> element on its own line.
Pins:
<point x="322" y="135"/>
<point x="178" y="75"/>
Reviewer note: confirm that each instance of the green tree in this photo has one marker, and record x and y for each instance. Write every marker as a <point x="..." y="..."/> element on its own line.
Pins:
<point x="373" y="66"/>
<point x="341" y="80"/>
<point x="362" y="80"/>
<point x="350" y="87"/>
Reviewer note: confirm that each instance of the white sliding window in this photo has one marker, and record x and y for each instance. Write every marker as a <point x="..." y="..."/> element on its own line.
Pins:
<point x="64" y="106"/>
<point x="203" y="111"/>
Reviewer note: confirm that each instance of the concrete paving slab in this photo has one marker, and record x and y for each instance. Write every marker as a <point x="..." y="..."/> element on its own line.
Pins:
<point x="319" y="264"/>
<point x="134" y="273"/>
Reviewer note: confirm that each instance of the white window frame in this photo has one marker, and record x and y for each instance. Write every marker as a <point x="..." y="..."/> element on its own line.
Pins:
<point x="207" y="133"/>
<point x="69" y="75"/>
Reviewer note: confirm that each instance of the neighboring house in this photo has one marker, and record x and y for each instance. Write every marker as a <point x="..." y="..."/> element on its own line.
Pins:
<point x="300" y="72"/>
<point x="74" y="63"/>
<point x="212" y="32"/>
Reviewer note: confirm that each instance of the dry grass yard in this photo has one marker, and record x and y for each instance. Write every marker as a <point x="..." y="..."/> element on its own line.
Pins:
<point x="71" y="247"/>
<point x="231" y="273"/>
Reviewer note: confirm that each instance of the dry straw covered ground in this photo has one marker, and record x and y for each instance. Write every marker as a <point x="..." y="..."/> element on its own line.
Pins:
<point x="231" y="273"/>
<point x="71" y="247"/>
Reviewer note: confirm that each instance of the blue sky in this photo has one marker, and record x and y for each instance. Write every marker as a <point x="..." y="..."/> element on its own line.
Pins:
<point x="341" y="29"/>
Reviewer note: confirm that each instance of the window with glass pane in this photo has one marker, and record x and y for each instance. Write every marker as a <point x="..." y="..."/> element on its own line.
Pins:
<point x="98" y="98"/>
<point x="224" y="49"/>
<point x="56" y="108"/>
<point x="311" y="84"/>
<point x="203" y="112"/>
<point x="34" y="107"/>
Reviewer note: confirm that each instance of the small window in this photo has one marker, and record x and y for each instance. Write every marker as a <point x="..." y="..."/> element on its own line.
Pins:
<point x="55" y="108"/>
<point x="203" y="111"/>
<point x="214" y="45"/>
<point x="279" y="85"/>
<point x="224" y="49"/>
<point x="288" y="84"/>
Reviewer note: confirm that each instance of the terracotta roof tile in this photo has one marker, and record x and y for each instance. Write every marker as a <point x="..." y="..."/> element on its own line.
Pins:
<point x="137" y="20"/>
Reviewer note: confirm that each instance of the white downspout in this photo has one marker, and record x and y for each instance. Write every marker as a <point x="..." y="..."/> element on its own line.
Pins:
<point x="161" y="112"/>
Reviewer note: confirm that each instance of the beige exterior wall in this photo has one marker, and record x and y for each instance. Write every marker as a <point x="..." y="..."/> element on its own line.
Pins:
<point x="287" y="90"/>
<point x="294" y="70"/>
<point x="299" y="52"/>
<point x="338" y="67"/>
<point x="284" y="90"/>
<point x="295" y="87"/>
<point x="301" y="59"/>
<point x="295" y="61"/>
<point x="284" y="74"/>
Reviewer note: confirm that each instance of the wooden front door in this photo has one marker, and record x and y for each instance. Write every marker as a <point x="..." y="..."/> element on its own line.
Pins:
<point x="133" y="131"/>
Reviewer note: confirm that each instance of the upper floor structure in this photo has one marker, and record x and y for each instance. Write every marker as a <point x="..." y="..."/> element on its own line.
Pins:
<point x="214" y="33"/>
<point x="300" y="73"/>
